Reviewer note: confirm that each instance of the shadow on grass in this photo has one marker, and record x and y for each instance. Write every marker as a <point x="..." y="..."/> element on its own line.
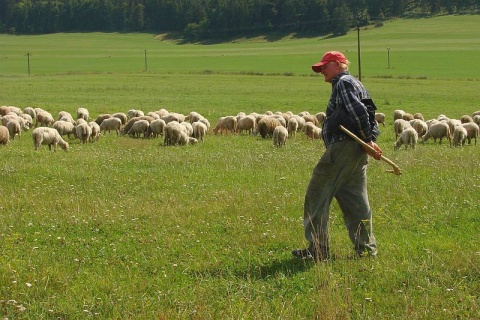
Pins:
<point x="284" y="268"/>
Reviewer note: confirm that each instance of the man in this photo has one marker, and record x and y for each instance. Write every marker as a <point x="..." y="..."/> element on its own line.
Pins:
<point x="341" y="171"/>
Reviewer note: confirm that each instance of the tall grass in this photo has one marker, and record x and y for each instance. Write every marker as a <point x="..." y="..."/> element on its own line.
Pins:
<point x="126" y="228"/>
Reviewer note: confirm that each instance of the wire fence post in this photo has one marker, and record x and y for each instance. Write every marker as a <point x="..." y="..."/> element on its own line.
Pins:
<point x="145" y="60"/>
<point x="28" y="62"/>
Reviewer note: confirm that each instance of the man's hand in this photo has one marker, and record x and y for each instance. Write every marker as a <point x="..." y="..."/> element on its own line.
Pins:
<point x="376" y="153"/>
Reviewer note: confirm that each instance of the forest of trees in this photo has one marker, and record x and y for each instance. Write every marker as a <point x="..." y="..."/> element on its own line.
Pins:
<point x="199" y="20"/>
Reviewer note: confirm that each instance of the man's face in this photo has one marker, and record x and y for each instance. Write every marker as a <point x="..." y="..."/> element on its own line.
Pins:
<point x="330" y="70"/>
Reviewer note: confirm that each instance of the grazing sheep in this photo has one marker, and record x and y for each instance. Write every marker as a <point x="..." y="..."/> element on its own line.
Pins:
<point x="64" y="128"/>
<point x="321" y="116"/>
<point x="156" y="128"/>
<point x="266" y="126"/>
<point x="472" y="131"/>
<point x="311" y="118"/>
<point x="122" y="116"/>
<point x="184" y="139"/>
<point x="225" y="124"/>
<point x="48" y="136"/>
<point x="132" y="113"/>
<point x="194" y="117"/>
<point x="14" y="128"/>
<point x="438" y="130"/>
<point x="138" y="128"/>
<point x="399" y="125"/>
<point x="199" y="130"/>
<point x="83" y="132"/>
<point x="408" y="137"/>
<point x="280" y="135"/>
<point x="110" y="124"/>
<point x="466" y="118"/>
<point x="418" y="116"/>
<point x="188" y="128"/>
<point x="398" y="114"/>
<point x="292" y="127"/>
<point x="102" y="117"/>
<point x="170" y="117"/>
<point x="82" y="113"/>
<point x="206" y="122"/>
<point x="312" y="131"/>
<point x="4" y="135"/>
<point x="407" y="116"/>
<point x="44" y="118"/>
<point x="13" y="116"/>
<point x="130" y="123"/>
<point x="172" y="133"/>
<point x="246" y="124"/>
<point x="153" y="114"/>
<point x="459" y="136"/>
<point x="380" y="118"/>
<point x="420" y="126"/>
<point x="452" y="123"/>
<point x="301" y="122"/>
<point x="7" y="109"/>
<point x="95" y="131"/>
<point x="28" y="121"/>
<point x="476" y="119"/>
<point x="65" y="116"/>
<point x="31" y="112"/>
<point x="162" y="112"/>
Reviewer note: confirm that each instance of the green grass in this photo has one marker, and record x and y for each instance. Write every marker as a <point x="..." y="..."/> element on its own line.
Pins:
<point x="125" y="228"/>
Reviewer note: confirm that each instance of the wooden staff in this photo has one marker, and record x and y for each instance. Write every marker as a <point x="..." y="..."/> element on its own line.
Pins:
<point x="396" y="170"/>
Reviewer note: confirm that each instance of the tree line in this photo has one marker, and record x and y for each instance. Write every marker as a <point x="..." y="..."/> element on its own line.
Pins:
<point x="199" y="20"/>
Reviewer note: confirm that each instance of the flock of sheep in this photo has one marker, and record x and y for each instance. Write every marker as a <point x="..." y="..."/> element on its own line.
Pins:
<point x="176" y="128"/>
<point x="180" y="129"/>
<point x="409" y="128"/>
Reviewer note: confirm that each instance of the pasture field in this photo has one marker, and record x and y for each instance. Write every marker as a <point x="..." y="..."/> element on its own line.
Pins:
<point x="125" y="228"/>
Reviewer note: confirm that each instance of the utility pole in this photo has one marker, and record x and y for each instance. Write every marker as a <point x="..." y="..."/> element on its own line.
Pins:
<point x="388" y="56"/>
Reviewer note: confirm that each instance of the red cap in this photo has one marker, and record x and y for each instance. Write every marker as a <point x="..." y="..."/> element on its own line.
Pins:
<point x="331" y="56"/>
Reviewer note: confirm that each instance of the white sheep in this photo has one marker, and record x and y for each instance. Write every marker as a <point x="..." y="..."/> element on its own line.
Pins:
<point x="420" y="126"/>
<point x="459" y="136"/>
<point x="138" y="128"/>
<point x="122" y="116"/>
<point x="82" y="113"/>
<point x="409" y="136"/>
<point x="472" y="131"/>
<point x="64" y="128"/>
<point x="246" y="124"/>
<point x="110" y="124"/>
<point x="83" y="132"/>
<point x="31" y="112"/>
<point x="157" y="127"/>
<point x="44" y="118"/>
<point x="102" y="117"/>
<point x="312" y="131"/>
<point x="13" y="116"/>
<point x="418" y="116"/>
<point x="438" y="130"/>
<point x="398" y="114"/>
<point x="95" y="131"/>
<point x="184" y="139"/>
<point x="292" y="127"/>
<point x="65" y="116"/>
<point x="172" y="133"/>
<point x="476" y="119"/>
<point x="132" y="113"/>
<point x="321" y="116"/>
<point x="380" y="118"/>
<point x="225" y="124"/>
<point x="14" y="129"/>
<point x="199" y="130"/>
<point x="48" y="136"/>
<point x="4" y="135"/>
<point x="188" y="128"/>
<point x="280" y="135"/>
<point x="399" y="125"/>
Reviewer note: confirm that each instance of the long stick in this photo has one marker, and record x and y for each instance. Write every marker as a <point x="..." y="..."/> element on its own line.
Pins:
<point x="396" y="170"/>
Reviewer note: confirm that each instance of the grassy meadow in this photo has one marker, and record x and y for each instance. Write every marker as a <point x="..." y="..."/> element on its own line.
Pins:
<point x="125" y="228"/>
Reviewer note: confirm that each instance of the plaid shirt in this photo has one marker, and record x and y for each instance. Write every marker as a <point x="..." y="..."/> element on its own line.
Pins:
<point x="347" y="91"/>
